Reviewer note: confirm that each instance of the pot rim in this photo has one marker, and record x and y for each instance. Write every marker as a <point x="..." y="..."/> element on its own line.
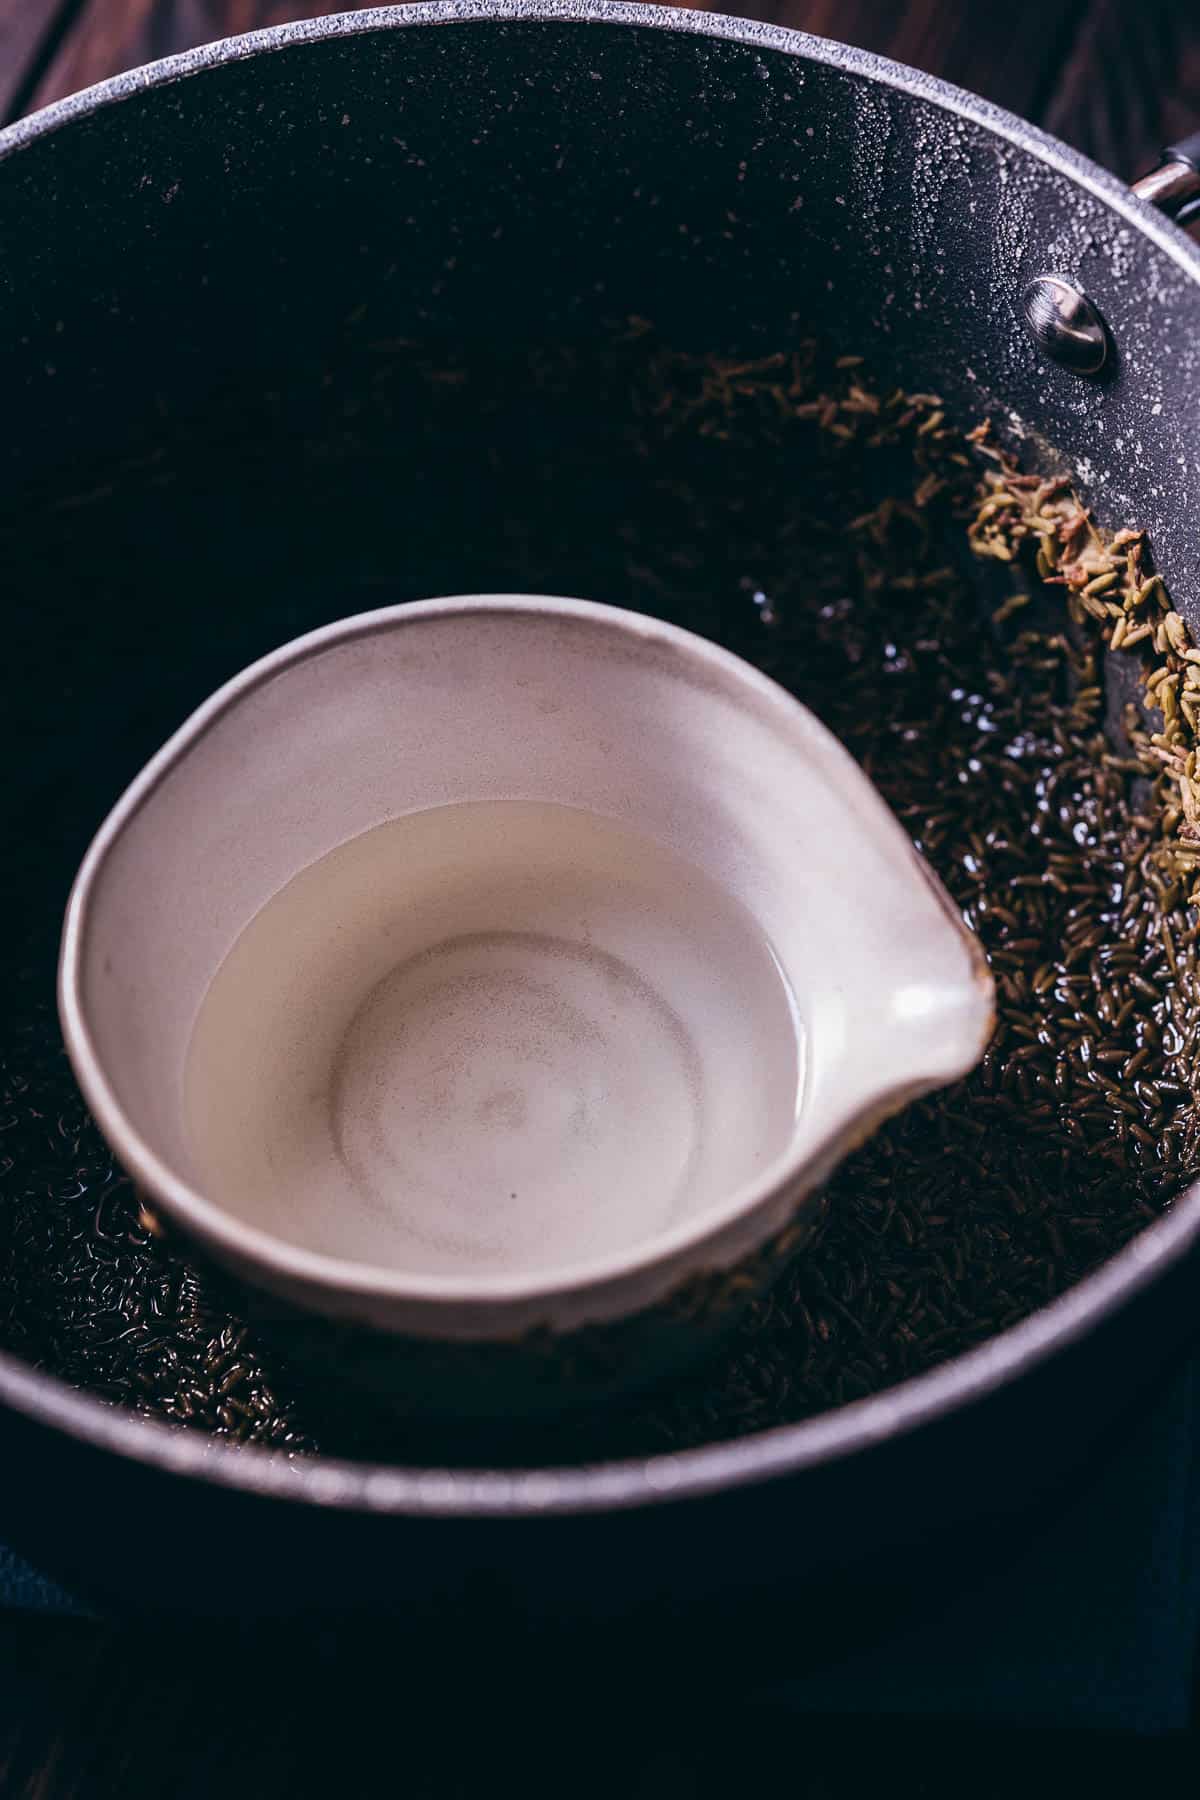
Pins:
<point x="786" y="1449"/>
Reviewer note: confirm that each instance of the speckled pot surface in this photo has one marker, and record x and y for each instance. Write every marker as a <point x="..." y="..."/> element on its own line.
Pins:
<point x="188" y="237"/>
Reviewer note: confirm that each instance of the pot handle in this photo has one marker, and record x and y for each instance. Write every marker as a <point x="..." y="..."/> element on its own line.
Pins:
<point x="1174" y="187"/>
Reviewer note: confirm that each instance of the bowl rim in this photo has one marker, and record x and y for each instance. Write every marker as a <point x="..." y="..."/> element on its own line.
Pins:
<point x="669" y="1256"/>
<point x="846" y="1431"/>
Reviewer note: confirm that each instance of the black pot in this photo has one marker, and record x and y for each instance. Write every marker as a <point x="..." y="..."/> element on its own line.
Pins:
<point x="197" y="233"/>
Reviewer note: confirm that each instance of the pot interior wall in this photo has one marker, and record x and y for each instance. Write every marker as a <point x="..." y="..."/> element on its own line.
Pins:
<point x="222" y="258"/>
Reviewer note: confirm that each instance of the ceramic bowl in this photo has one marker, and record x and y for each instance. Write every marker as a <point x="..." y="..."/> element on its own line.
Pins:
<point x="589" y="954"/>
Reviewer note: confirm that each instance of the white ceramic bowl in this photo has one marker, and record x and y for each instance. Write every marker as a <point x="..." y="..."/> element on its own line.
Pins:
<point x="490" y="704"/>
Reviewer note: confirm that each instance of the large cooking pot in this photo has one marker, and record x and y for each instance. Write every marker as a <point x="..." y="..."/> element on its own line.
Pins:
<point x="207" y="226"/>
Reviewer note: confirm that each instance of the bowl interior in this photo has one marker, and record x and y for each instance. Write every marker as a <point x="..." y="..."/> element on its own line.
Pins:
<point x="579" y="933"/>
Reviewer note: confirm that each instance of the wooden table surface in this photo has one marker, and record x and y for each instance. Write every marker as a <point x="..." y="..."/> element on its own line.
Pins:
<point x="94" y="1710"/>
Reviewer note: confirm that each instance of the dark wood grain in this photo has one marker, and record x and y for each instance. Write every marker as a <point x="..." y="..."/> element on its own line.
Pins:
<point x="1008" y="53"/>
<point x="1131" y="82"/>
<point x="26" y="28"/>
<point x="111" y="35"/>
<point x="104" y="39"/>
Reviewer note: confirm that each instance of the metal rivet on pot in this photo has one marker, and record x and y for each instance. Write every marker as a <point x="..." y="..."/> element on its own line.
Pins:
<point x="1064" y="324"/>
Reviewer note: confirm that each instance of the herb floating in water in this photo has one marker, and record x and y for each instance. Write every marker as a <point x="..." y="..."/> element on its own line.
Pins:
<point x="824" y="530"/>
